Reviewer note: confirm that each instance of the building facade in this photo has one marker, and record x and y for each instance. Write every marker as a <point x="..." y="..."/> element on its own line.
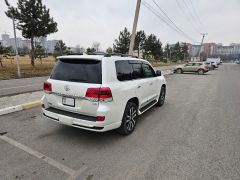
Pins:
<point x="49" y="45"/>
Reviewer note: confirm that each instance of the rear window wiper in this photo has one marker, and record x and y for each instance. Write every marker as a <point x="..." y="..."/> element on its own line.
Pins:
<point x="78" y="80"/>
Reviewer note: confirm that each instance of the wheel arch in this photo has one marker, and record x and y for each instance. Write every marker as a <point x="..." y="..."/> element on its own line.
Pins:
<point x="201" y="69"/>
<point x="165" y="87"/>
<point x="134" y="100"/>
<point x="179" y="68"/>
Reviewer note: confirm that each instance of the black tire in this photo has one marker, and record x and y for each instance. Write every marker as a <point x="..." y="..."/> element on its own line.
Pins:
<point x="162" y="96"/>
<point x="201" y="72"/>
<point x="129" y="119"/>
<point x="179" y="71"/>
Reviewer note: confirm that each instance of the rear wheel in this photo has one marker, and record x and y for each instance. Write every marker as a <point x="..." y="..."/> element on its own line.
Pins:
<point x="129" y="119"/>
<point x="179" y="71"/>
<point x="200" y="71"/>
<point x="162" y="96"/>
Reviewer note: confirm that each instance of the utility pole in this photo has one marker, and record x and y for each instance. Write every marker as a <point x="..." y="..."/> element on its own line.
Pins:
<point x="134" y="27"/>
<point x="199" y="52"/>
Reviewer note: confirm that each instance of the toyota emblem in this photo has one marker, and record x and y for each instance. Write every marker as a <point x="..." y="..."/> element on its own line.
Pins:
<point x="67" y="88"/>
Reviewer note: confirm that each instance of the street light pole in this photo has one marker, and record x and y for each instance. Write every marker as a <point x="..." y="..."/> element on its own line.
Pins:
<point x="15" y="41"/>
<point x="134" y="27"/>
<point x="16" y="49"/>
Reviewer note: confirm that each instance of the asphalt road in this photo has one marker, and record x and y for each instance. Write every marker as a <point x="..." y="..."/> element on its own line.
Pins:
<point x="18" y="86"/>
<point x="195" y="135"/>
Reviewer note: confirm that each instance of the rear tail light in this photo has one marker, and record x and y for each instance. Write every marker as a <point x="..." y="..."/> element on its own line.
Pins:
<point x="100" y="118"/>
<point x="102" y="94"/>
<point x="47" y="87"/>
<point x="206" y="66"/>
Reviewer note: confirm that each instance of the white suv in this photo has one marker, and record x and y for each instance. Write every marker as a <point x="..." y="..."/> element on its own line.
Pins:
<point x="101" y="93"/>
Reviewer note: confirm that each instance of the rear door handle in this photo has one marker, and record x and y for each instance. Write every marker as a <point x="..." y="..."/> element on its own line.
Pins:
<point x="151" y="84"/>
<point x="139" y="86"/>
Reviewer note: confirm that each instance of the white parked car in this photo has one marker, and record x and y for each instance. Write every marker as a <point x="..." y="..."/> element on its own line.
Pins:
<point x="101" y="93"/>
<point x="210" y="65"/>
<point x="215" y="64"/>
<point x="237" y="61"/>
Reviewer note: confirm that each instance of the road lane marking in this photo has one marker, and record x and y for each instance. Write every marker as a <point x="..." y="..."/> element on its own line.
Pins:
<point x="77" y="173"/>
<point x="16" y="87"/>
<point x="41" y="156"/>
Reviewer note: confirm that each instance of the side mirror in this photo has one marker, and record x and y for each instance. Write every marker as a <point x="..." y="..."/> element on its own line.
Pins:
<point x="158" y="73"/>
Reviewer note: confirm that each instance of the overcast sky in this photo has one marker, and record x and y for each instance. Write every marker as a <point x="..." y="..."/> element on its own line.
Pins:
<point x="81" y="22"/>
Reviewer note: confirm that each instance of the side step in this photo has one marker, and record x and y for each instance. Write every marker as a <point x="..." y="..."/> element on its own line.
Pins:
<point x="148" y="106"/>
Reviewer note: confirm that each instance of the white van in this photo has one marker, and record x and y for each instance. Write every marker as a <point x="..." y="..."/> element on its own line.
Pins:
<point x="215" y="61"/>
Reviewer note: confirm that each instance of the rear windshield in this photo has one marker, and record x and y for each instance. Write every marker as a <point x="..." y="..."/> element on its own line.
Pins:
<point x="78" y="70"/>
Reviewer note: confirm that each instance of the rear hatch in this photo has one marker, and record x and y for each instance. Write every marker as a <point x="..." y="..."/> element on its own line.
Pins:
<point x="70" y="80"/>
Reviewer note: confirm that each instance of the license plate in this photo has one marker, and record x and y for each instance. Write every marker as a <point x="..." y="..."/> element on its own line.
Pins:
<point x="68" y="101"/>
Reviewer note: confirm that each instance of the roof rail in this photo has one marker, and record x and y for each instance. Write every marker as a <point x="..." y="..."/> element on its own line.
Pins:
<point x="71" y="53"/>
<point x="119" y="54"/>
<point x="111" y="54"/>
<point x="97" y="53"/>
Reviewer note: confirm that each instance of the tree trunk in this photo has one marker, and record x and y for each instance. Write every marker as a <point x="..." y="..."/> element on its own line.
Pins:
<point x="32" y="53"/>
<point x="1" y="62"/>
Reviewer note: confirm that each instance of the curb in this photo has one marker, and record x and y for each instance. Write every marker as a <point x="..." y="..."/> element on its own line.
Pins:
<point x="167" y="72"/>
<point x="21" y="107"/>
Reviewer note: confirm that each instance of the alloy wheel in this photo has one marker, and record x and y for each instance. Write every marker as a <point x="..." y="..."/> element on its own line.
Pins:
<point x="162" y="96"/>
<point x="131" y="119"/>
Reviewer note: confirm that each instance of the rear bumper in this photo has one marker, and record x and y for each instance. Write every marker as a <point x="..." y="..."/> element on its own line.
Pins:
<point x="78" y="120"/>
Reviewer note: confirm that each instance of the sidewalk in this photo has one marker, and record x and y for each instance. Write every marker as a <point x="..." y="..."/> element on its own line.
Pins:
<point x="9" y="101"/>
<point x="18" y="86"/>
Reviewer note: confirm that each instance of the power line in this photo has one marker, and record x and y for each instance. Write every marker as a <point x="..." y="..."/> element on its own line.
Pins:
<point x="188" y="18"/>
<point x="196" y="14"/>
<point x="164" y="12"/>
<point x="171" y="24"/>
<point x="196" y="20"/>
<point x="166" y="15"/>
<point x="148" y="6"/>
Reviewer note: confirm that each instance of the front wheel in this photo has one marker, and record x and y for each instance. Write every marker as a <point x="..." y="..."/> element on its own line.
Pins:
<point x="162" y="96"/>
<point x="129" y="119"/>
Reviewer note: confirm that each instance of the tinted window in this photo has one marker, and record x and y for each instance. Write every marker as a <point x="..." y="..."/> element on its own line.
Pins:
<point x="197" y="64"/>
<point x="148" y="71"/>
<point x="76" y="70"/>
<point x="123" y="69"/>
<point x="189" y="64"/>
<point x="137" y="70"/>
